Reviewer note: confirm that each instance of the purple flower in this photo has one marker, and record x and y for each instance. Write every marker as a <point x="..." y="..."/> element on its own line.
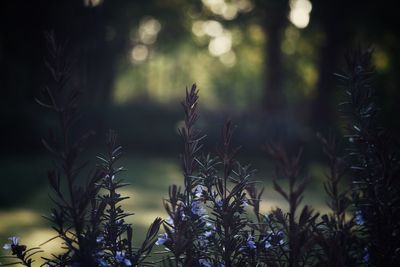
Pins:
<point x="198" y="191"/>
<point x="162" y="239"/>
<point x="208" y="233"/>
<point x="220" y="203"/>
<point x="245" y="202"/>
<point x="250" y="242"/>
<point x="120" y="258"/>
<point x="14" y="242"/>
<point x="127" y="262"/>
<point x="102" y="263"/>
<point x="197" y="208"/>
<point x="100" y="239"/>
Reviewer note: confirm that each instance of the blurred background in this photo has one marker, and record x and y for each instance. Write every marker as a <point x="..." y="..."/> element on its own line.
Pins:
<point x="267" y="64"/>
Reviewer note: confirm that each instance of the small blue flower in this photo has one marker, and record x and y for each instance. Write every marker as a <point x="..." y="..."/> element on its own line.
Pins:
<point x="204" y="262"/>
<point x="14" y="242"/>
<point x="197" y="208"/>
<point x="198" y="191"/>
<point x="120" y="258"/>
<point x="250" y="242"/>
<point x="208" y="233"/>
<point x="102" y="263"/>
<point x="100" y="239"/>
<point x="220" y="203"/>
<point x="162" y="239"/>
<point x="127" y="262"/>
<point x="359" y="219"/>
<point x="278" y="237"/>
<point x="245" y="202"/>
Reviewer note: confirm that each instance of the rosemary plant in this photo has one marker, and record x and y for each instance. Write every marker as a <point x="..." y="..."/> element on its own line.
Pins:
<point x="215" y="218"/>
<point x="375" y="163"/>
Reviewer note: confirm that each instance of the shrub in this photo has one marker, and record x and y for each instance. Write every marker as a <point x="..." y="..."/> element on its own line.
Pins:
<point x="215" y="218"/>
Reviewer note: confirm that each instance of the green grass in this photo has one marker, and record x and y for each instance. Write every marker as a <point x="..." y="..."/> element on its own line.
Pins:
<point x="149" y="178"/>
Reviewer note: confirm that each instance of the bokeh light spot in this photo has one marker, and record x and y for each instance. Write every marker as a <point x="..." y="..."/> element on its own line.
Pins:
<point x="221" y="44"/>
<point x="139" y="53"/>
<point x="300" y="13"/>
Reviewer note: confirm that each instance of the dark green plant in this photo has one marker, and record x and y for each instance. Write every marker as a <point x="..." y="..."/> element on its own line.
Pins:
<point x="215" y="217"/>
<point x="87" y="216"/>
<point x="297" y="226"/>
<point x="185" y="221"/>
<point x="337" y="235"/>
<point x="375" y="164"/>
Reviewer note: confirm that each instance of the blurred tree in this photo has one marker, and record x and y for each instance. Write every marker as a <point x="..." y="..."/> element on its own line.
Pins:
<point x="273" y="18"/>
<point x="98" y="34"/>
<point x="333" y="20"/>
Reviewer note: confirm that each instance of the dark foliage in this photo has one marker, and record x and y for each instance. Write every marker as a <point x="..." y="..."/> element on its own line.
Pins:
<point x="87" y="216"/>
<point x="337" y="236"/>
<point x="297" y="227"/>
<point x="215" y="218"/>
<point x="375" y="164"/>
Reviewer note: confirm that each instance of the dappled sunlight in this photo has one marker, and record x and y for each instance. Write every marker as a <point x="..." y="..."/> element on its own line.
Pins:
<point x="38" y="236"/>
<point x="17" y="219"/>
<point x="29" y="225"/>
<point x="152" y="74"/>
<point x="34" y="237"/>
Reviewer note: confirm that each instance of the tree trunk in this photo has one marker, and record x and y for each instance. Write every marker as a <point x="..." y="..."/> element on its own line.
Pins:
<point x="275" y="20"/>
<point x="337" y="36"/>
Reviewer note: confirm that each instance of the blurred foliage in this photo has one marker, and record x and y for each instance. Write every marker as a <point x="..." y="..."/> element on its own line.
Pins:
<point x="127" y="53"/>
